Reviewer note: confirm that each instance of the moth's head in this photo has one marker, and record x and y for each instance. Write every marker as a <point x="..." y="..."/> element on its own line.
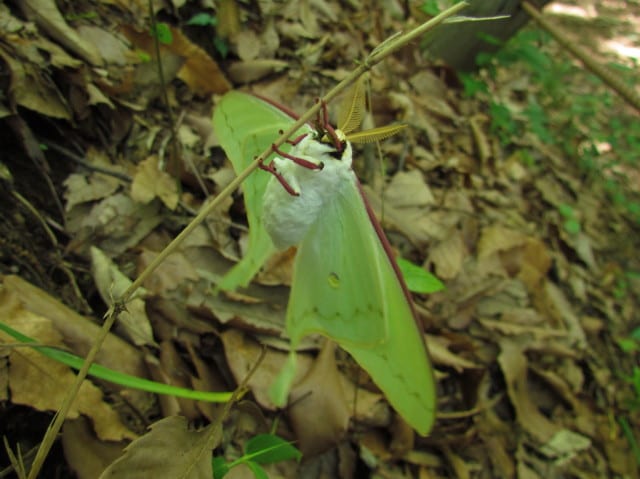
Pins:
<point x="334" y="138"/>
<point x="322" y="146"/>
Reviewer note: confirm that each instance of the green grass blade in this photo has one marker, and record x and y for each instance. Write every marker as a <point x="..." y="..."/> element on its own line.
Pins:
<point x="117" y="377"/>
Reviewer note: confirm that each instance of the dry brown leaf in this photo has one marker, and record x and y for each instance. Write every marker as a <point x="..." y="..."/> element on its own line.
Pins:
<point x="248" y="45"/>
<point x="252" y="70"/>
<point x="33" y="89"/>
<point x="242" y="352"/>
<point x="461" y="468"/>
<point x="318" y="410"/>
<point x="150" y="181"/>
<point x="536" y="262"/>
<point x="175" y="270"/>
<point x="196" y="68"/>
<point x="4" y="374"/>
<point x="408" y="189"/>
<point x="417" y="224"/>
<point x="553" y="191"/>
<point x="207" y="378"/>
<point x="113" y="49"/>
<point x="564" y="445"/>
<point x="43" y="383"/>
<point x="169" y="404"/>
<point x="79" y="334"/>
<point x="511" y="294"/>
<point x="46" y="15"/>
<point x="115" y="224"/>
<point x="175" y="371"/>
<point x="560" y="310"/>
<point x="440" y="354"/>
<point x="448" y="255"/>
<point x="112" y="284"/>
<point x="278" y="269"/>
<point x="368" y="406"/>
<point x="169" y="449"/>
<point x="200" y="71"/>
<point x="497" y="238"/>
<point x="87" y="456"/>
<point x="228" y="18"/>
<point x="82" y="187"/>
<point x="513" y="363"/>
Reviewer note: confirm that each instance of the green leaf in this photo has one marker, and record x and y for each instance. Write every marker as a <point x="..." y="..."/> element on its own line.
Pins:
<point x="163" y="33"/>
<point x="430" y="7"/>
<point x="572" y="226"/>
<point x="566" y="211"/>
<point x="628" y="345"/>
<point x="116" y="377"/>
<point x="418" y="279"/>
<point x="472" y="84"/>
<point x="220" y="467"/>
<point x="203" y="20"/>
<point x="257" y="470"/>
<point x="222" y="46"/>
<point x="268" y="448"/>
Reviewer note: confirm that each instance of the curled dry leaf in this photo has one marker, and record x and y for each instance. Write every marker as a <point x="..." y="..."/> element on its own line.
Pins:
<point x="150" y="181"/>
<point x="42" y="383"/>
<point x="87" y="455"/>
<point x="319" y="390"/>
<point x="112" y="284"/>
<point x="46" y="15"/>
<point x="170" y="449"/>
<point x="513" y="363"/>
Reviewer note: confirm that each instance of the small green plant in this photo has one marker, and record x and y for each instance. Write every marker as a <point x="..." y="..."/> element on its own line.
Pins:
<point x="602" y="144"/>
<point x="503" y="124"/>
<point x="92" y="15"/>
<point x="204" y="19"/>
<point x="259" y="450"/>
<point x="162" y="32"/>
<point x="430" y="7"/>
<point x="571" y="223"/>
<point x="631" y="345"/>
<point x="418" y="279"/>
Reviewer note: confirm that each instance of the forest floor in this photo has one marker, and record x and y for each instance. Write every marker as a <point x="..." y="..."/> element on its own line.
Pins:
<point x="517" y="186"/>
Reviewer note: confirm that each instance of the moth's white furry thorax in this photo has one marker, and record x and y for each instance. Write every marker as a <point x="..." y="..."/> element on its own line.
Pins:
<point x="287" y="218"/>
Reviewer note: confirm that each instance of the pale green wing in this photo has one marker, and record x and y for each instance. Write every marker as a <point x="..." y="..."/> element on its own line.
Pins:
<point x="245" y="126"/>
<point x="345" y="288"/>
<point x="337" y="288"/>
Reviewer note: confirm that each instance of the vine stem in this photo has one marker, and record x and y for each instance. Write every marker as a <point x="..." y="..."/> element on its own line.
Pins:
<point x="381" y="52"/>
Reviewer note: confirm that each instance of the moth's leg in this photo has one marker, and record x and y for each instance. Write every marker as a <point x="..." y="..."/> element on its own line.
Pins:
<point x="308" y="164"/>
<point x="297" y="139"/>
<point x="271" y="168"/>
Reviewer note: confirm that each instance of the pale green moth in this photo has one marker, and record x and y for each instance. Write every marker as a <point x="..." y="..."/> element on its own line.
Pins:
<point x="345" y="282"/>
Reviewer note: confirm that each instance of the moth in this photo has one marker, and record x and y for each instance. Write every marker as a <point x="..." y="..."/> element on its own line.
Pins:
<point x="346" y="284"/>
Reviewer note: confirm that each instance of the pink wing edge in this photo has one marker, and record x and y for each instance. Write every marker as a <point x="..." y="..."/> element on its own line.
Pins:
<point x="277" y="105"/>
<point x="389" y="251"/>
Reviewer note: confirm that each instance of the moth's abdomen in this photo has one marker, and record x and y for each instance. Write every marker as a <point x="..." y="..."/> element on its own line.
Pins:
<point x="287" y="218"/>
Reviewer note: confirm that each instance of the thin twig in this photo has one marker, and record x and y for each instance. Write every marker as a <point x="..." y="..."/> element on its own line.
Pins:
<point x="163" y="86"/>
<point x="90" y="166"/>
